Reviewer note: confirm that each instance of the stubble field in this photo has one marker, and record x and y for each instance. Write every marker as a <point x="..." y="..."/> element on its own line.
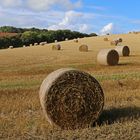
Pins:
<point x="22" y="71"/>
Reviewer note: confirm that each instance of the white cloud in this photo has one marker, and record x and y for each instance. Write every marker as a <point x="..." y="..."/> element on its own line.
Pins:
<point x="109" y="28"/>
<point x="43" y="5"/>
<point x="84" y="28"/>
<point x="11" y="3"/>
<point x="68" y="22"/>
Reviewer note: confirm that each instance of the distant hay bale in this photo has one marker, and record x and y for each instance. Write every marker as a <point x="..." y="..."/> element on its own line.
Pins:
<point x="11" y="47"/>
<point x="135" y="32"/>
<point x="108" y="57"/>
<point x="123" y="50"/>
<point x="106" y="39"/>
<point x="56" y="47"/>
<point x="35" y="44"/>
<point x="71" y="99"/>
<point x="55" y="41"/>
<point x="45" y="42"/>
<point x="119" y="40"/>
<point x="24" y="46"/>
<point x="76" y="40"/>
<point x="66" y="39"/>
<point x="31" y="45"/>
<point x="83" y="48"/>
<point x="41" y="43"/>
<point x="114" y="42"/>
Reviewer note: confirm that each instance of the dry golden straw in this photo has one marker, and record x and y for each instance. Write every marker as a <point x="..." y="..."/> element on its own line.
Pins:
<point x="108" y="57"/>
<point x="56" y="47"/>
<point x="83" y="48"/>
<point x="106" y="39"/>
<point x="123" y="50"/>
<point x="71" y="99"/>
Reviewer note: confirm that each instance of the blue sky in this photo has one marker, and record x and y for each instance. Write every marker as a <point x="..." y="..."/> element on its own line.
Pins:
<point x="100" y="16"/>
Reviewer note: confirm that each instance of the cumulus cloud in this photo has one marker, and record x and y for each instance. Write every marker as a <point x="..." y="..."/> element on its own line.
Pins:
<point x="70" y="18"/>
<point x="109" y="28"/>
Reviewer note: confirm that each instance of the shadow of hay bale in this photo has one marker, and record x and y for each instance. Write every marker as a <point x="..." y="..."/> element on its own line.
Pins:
<point x="117" y="114"/>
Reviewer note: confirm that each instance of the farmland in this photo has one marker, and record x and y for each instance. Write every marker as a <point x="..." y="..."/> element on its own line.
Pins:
<point x="22" y="71"/>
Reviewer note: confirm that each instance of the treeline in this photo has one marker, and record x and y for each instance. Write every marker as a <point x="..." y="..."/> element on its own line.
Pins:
<point x="34" y="35"/>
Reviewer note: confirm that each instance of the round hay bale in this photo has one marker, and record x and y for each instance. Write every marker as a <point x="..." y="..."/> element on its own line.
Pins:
<point x="41" y="43"/>
<point x="120" y="40"/>
<point x="35" y="44"/>
<point x="83" y="48"/>
<point x="11" y="47"/>
<point x="24" y="46"/>
<point x="71" y="99"/>
<point x="56" y="47"/>
<point x="55" y="41"/>
<point x="123" y="50"/>
<point x="114" y="43"/>
<point x="31" y="45"/>
<point x="106" y="39"/>
<point x="66" y="39"/>
<point x="108" y="57"/>
<point x="76" y="40"/>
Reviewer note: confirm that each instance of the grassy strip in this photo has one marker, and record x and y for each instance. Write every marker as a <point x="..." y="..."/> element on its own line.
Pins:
<point x="119" y="76"/>
<point x="19" y="84"/>
<point x="25" y="84"/>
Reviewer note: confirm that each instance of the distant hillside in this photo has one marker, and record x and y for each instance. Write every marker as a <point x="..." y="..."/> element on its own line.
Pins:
<point x="17" y="37"/>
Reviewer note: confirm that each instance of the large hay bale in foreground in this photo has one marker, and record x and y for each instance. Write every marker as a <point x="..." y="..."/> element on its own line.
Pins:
<point x="108" y="57"/>
<point x="123" y="50"/>
<point x="56" y="47"/>
<point x="11" y="47"/>
<point x="71" y="99"/>
<point x="83" y="48"/>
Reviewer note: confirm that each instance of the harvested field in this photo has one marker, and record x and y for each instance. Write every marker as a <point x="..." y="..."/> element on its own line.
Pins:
<point x="22" y="71"/>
